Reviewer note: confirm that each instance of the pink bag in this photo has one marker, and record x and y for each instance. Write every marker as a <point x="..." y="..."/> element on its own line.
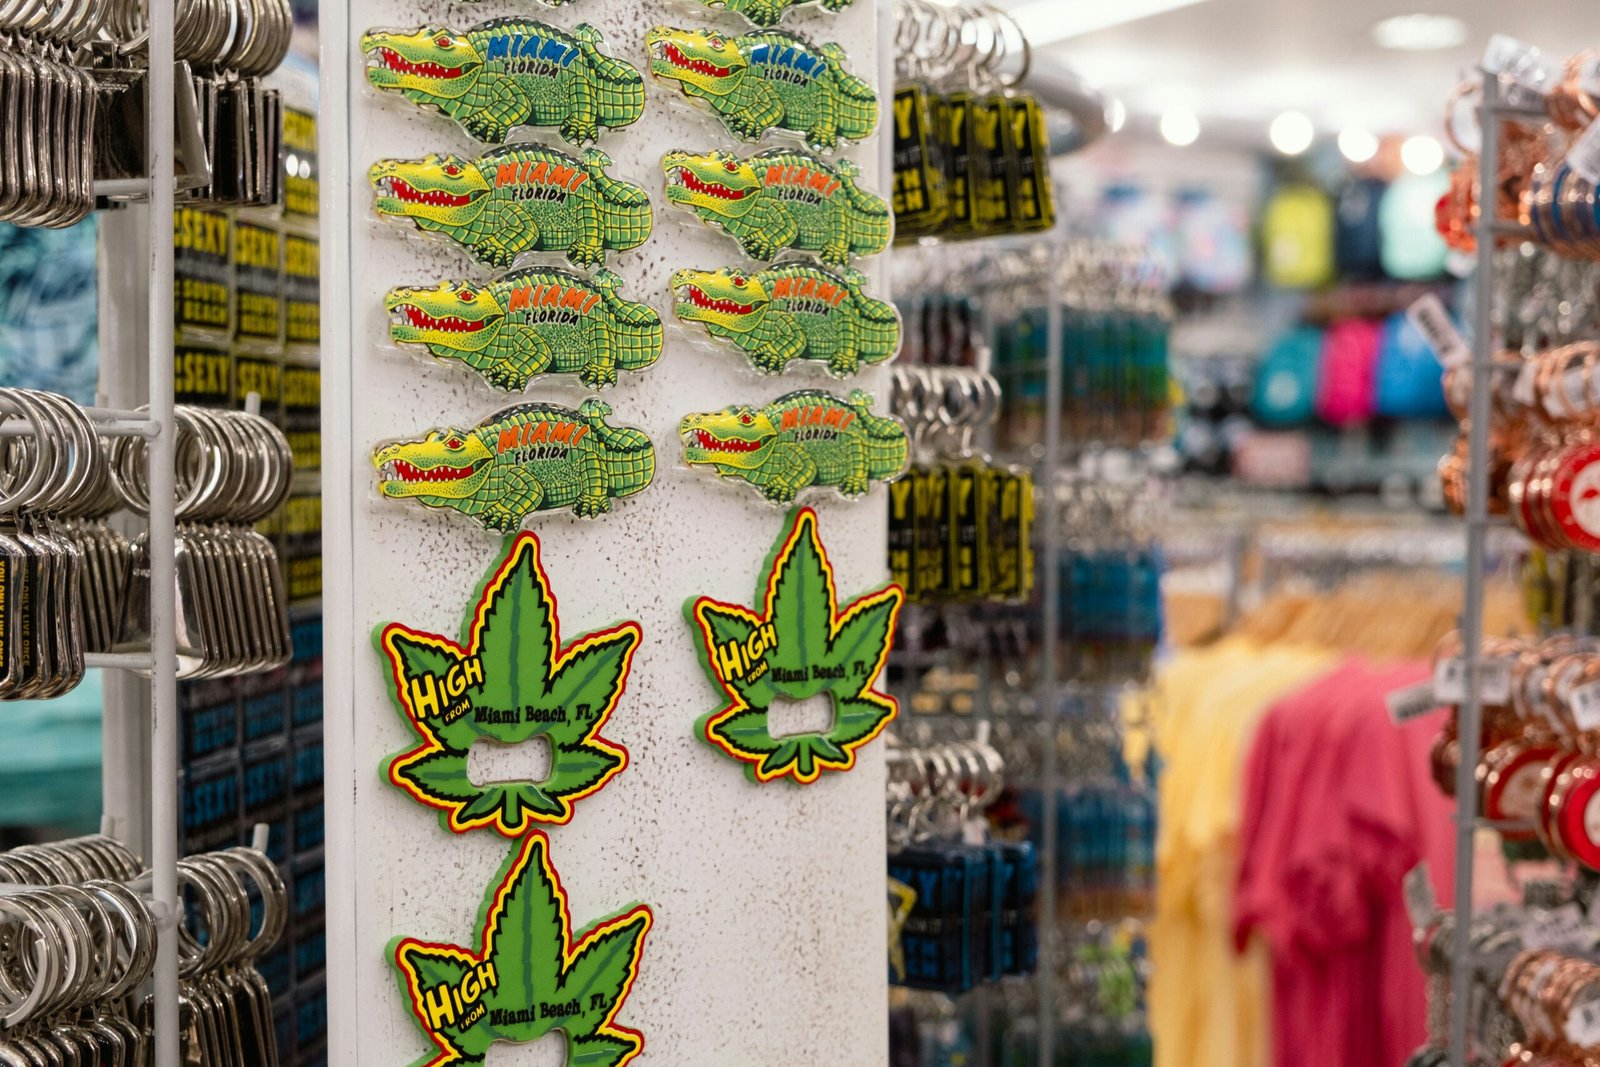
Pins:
<point x="1347" y="386"/>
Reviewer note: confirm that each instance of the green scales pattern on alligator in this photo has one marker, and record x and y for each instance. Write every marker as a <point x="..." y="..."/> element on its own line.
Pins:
<point x="507" y="73"/>
<point x="770" y="12"/>
<point x="528" y="458"/>
<point x="769" y="80"/>
<point x="791" y="312"/>
<point x="803" y="439"/>
<point x="779" y="199"/>
<point x="516" y="199"/>
<point x="536" y="321"/>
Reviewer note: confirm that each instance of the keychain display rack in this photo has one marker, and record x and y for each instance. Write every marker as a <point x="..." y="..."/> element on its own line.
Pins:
<point x="1494" y="108"/>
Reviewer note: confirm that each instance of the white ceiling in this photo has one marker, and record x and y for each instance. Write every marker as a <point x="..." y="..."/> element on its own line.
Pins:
<point x="1238" y="63"/>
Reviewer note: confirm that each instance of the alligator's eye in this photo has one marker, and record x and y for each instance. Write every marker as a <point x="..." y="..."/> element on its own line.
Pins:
<point x="717" y="42"/>
<point x="467" y="296"/>
<point x="444" y="42"/>
<point x="747" y="419"/>
<point x="738" y="281"/>
<point x="731" y="167"/>
<point x="452" y="170"/>
<point x="453" y="443"/>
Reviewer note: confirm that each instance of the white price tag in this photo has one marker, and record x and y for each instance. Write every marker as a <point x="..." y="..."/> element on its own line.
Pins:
<point x="1411" y="702"/>
<point x="1450" y="681"/>
<point x="1494" y="674"/>
<point x="1417" y="888"/>
<point x="1583" y="1025"/>
<point x="1431" y="319"/>
<point x="1523" y="392"/>
<point x="1584" y="155"/>
<point x="1585" y="704"/>
<point x="1562" y="928"/>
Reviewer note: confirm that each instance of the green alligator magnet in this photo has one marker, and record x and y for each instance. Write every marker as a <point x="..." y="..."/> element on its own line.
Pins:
<point x="770" y="12"/>
<point x="516" y="199"/>
<point x="541" y="320"/>
<point x="528" y="458"/>
<point x="790" y="312"/>
<point x="808" y="438"/>
<point x="508" y="73"/>
<point x="765" y="81"/>
<point x="779" y="199"/>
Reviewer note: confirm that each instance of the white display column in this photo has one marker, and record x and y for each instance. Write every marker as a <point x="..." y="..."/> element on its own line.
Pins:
<point x="768" y="944"/>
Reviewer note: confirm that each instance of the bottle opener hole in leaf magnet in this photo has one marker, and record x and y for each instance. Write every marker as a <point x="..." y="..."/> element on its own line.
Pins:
<point x="766" y="81"/>
<point x="541" y="320"/>
<point x="781" y="199"/>
<point x="523" y="459"/>
<point x="510" y="682"/>
<point x="807" y="438"/>
<point x="791" y="312"/>
<point x="800" y="645"/>
<point x="770" y="12"/>
<point x="528" y="974"/>
<point x="507" y="73"/>
<point x="516" y="199"/>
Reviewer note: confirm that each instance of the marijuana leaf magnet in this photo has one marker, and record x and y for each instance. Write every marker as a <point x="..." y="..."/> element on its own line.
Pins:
<point x="528" y="975"/>
<point x="511" y="682"/>
<point x="801" y="646"/>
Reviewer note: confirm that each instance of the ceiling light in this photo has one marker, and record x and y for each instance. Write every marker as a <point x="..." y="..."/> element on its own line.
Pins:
<point x="1180" y="127"/>
<point x="1116" y="116"/>
<point x="1292" y="133"/>
<point x="1422" y="154"/>
<point x="1357" y="145"/>
<point x="1047" y="21"/>
<point x="1420" y="33"/>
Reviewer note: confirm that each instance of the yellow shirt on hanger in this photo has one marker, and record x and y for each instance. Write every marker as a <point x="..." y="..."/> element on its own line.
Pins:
<point x="1208" y="1005"/>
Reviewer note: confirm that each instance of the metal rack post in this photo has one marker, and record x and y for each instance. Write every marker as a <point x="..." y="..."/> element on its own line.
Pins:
<point x="163" y="855"/>
<point x="1471" y="711"/>
<point x="1050" y="704"/>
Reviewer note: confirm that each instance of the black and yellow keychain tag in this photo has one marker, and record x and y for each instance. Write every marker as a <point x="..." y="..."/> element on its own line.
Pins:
<point x="1011" y="536"/>
<point x="956" y="121"/>
<point x="993" y="167"/>
<point x="921" y="201"/>
<point x="969" y="548"/>
<point x="1030" y="146"/>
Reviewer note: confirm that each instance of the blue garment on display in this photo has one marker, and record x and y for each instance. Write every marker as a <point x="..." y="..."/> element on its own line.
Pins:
<point x="1410" y="380"/>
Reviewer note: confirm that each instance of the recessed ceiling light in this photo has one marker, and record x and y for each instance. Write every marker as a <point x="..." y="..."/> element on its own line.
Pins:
<point x="1180" y="127"/>
<point x="1116" y="115"/>
<point x="1357" y="145"/>
<point x="1422" y="154"/>
<point x="1420" y="33"/>
<point x="1292" y="133"/>
<point x="1046" y="21"/>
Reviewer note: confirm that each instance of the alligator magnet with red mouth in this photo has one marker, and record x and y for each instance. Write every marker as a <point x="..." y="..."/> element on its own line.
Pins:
<point x="508" y="73"/>
<point x="524" y="459"/>
<point x="517" y="199"/>
<point x="805" y="439"/>
<point x="767" y="81"/>
<point x="781" y="199"/>
<point x="530" y="322"/>
<point x="790" y="312"/>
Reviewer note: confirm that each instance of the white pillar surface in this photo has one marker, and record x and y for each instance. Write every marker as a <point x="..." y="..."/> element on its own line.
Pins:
<point x="768" y="946"/>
